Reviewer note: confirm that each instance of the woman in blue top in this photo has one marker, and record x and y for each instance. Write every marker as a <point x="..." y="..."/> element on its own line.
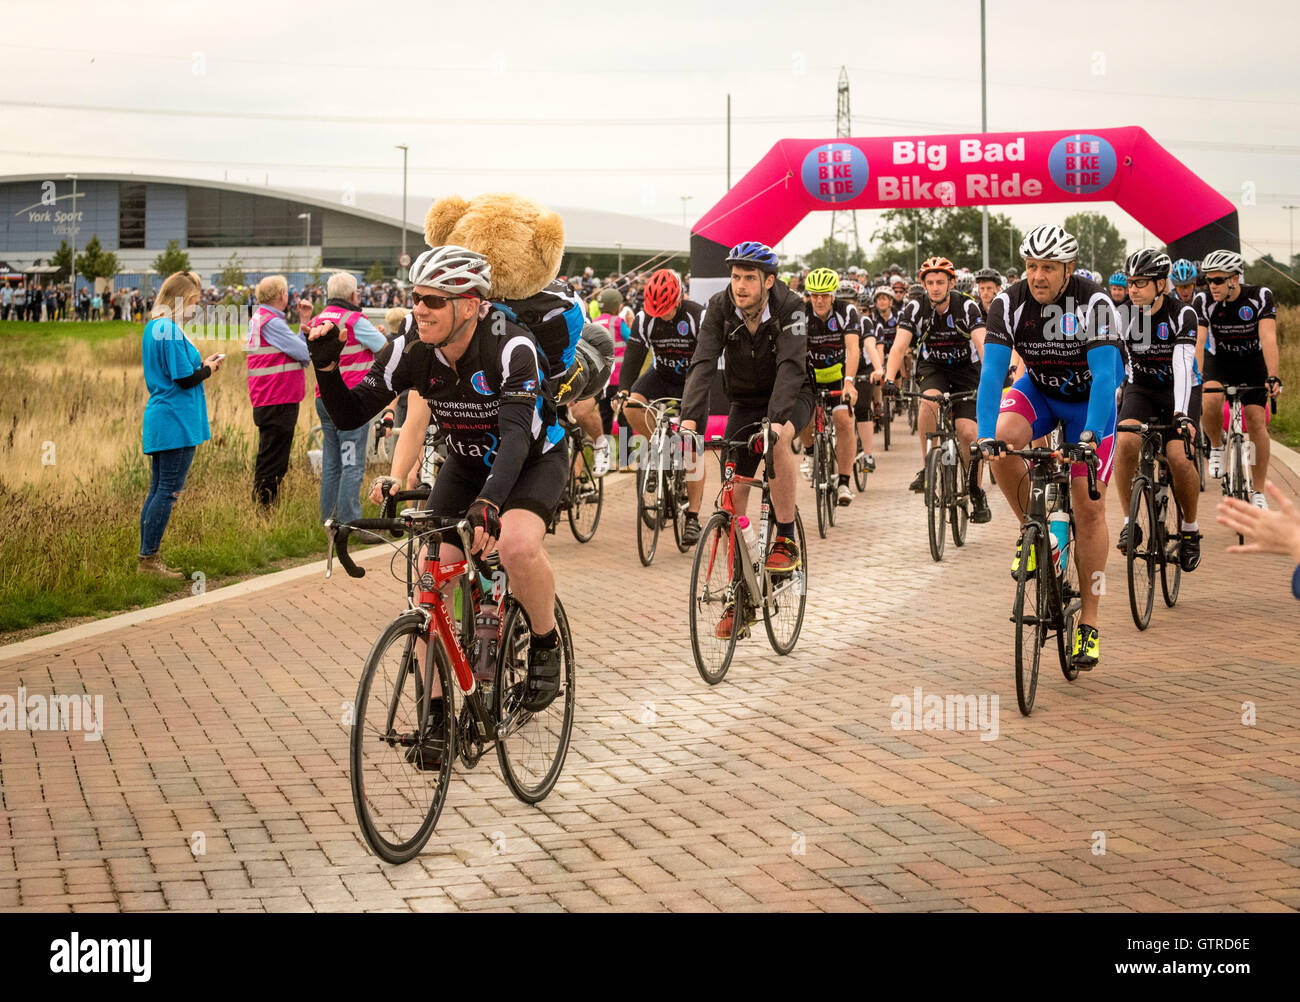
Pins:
<point x="176" y="416"/>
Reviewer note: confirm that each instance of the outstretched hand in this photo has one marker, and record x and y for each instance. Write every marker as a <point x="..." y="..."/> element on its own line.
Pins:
<point x="1276" y="531"/>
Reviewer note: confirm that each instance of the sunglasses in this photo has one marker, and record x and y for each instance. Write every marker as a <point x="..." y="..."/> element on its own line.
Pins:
<point x="1216" y="281"/>
<point x="436" y="302"/>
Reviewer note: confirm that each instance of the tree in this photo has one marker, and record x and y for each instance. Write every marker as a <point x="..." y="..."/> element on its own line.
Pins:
<point x="1267" y="271"/>
<point x="95" y="263"/>
<point x="376" y="272"/>
<point x="232" y="272"/>
<point x="954" y="233"/>
<point x="313" y="273"/>
<point x="831" y="254"/>
<point x="172" y="260"/>
<point x="1101" y="248"/>
<point x="62" y="259"/>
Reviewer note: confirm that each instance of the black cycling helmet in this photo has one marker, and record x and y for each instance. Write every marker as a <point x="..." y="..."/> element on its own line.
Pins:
<point x="1147" y="263"/>
<point x="988" y="275"/>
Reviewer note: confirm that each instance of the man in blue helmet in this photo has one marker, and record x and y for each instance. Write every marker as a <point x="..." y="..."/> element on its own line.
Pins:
<point x="1118" y="287"/>
<point x="759" y="327"/>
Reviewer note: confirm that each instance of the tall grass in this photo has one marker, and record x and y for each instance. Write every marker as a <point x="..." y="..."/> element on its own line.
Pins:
<point x="73" y="478"/>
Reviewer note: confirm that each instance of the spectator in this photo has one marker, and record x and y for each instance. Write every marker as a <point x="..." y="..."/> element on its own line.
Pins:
<point x="1275" y="531"/>
<point x="83" y="304"/>
<point x="343" y="453"/>
<point x="394" y="319"/>
<point x="176" y="415"/>
<point x="20" y="302"/>
<point x="96" y="306"/>
<point x="276" y="358"/>
<point x="6" y="300"/>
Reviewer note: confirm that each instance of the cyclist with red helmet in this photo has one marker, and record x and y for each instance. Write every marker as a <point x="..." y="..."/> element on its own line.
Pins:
<point x="666" y="329"/>
<point x="950" y="329"/>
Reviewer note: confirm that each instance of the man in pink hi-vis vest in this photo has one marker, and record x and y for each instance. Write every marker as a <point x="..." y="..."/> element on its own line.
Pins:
<point x="276" y="358"/>
<point x="343" y="453"/>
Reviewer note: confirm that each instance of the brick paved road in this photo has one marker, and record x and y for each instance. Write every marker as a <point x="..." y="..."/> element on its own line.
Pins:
<point x="786" y="787"/>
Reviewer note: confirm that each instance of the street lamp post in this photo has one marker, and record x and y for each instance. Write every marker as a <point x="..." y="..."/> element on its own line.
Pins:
<point x="685" y="199"/>
<point x="306" y="228"/>
<point x="984" y="127"/>
<point x="403" y="148"/>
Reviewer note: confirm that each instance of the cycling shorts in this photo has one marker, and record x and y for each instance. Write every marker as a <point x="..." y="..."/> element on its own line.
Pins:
<point x="653" y="384"/>
<point x="1044" y="413"/>
<point x="863" y="409"/>
<point x="1239" y="370"/>
<point x="1146" y="405"/>
<point x="741" y="415"/>
<point x="950" y="379"/>
<point x="539" y="487"/>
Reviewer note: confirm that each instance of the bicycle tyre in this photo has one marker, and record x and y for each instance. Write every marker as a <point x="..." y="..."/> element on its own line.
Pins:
<point x="1140" y="558"/>
<point x="582" y="505"/>
<point x="830" y="475"/>
<point x="406" y="630"/>
<point x="955" y="488"/>
<point x="889" y="420"/>
<point x="819" y="495"/>
<point x="1171" y="568"/>
<point x="913" y="411"/>
<point x="798" y="585"/>
<point x="648" y="514"/>
<point x="713" y="654"/>
<point x="1030" y="616"/>
<point x="681" y="505"/>
<point x="1068" y="603"/>
<point x="859" y="465"/>
<point x="512" y="671"/>
<point x="1239" y="488"/>
<point x="934" y="507"/>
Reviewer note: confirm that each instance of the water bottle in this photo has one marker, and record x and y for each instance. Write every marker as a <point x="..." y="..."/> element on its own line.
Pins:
<point x="485" y="630"/>
<point x="1059" y="524"/>
<point x="747" y="530"/>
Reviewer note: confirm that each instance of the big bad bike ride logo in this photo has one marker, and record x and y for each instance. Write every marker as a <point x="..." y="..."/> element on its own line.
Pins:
<point x="1082" y="163"/>
<point x="834" y="172"/>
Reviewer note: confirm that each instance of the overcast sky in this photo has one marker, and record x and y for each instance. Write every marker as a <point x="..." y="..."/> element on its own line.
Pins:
<point x="624" y="109"/>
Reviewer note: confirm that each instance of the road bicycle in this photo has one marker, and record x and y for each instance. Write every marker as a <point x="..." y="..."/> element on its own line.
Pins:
<point x="1048" y="598"/>
<point x="825" y="478"/>
<point x="584" y="492"/>
<point x="661" y="479"/>
<point x="947" y="493"/>
<point x="406" y="731"/>
<point x="1238" y="456"/>
<point x="729" y="574"/>
<point x="1155" y="518"/>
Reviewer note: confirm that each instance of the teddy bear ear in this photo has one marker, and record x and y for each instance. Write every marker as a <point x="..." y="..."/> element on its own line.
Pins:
<point x="442" y="218"/>
<point x="548" y="241"/>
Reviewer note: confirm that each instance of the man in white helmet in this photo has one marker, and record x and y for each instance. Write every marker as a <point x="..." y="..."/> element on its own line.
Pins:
<point x="479" y="375"/>
<point x="1238" y="339"/>
<point x="1066" y="331"/>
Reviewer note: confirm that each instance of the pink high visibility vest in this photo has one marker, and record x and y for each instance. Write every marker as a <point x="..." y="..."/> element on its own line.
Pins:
<point x="617" y="328"/>
<point x="355" y="361"/>
<point x="273" y="376"/>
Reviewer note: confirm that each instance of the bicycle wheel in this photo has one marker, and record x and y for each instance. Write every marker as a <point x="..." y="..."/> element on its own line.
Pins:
<point x="859" y="466"/>
<point x="648" y="514"/>
<point x="913" y="410"/>
<point x="830" y="474"/>
<point x="1142" y="556"/>
<point x="1068" y="601"/>
<point x="713" y="587"/>
<point x="532" y="746"/>
<point x="1240" y="489"/>
<point x="586" y="493"/>
<point x="934" y="506"/>
<point x="1030" y="616"/>
<point x="1171" y="569"/>
<point x="819" y="495"/>
<point x="785" y="596"/>
<point x="397" y="804"/>
<point x="954" y="475"/>
<point x="889" y="420"/>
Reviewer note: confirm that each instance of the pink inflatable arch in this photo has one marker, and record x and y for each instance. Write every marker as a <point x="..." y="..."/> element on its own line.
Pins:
<point x="1125" y="166"/>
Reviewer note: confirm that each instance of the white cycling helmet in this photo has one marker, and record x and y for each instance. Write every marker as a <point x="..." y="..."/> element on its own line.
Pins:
<point x="1049" y="243"/>
<point x="453" y="270"/>
<point x="1223" y="260"/>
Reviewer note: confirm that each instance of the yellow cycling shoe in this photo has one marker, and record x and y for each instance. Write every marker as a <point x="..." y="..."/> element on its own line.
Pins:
<point x="1087" y="647"/>
<point x="1033" y="557"/>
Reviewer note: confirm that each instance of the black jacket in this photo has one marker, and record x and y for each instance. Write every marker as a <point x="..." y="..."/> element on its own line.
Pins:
<point x="769" y="367"/>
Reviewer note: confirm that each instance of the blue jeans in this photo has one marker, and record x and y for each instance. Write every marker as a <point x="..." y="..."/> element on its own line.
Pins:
<point x="343" y="465"/>
<point x="166" y="482"/>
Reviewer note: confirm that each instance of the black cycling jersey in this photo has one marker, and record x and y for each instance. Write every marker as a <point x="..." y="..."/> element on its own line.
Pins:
<point x="1234" y="326"/>
<point x="826" y="339"/>
<point x="945" y="337"/>
<point x="1053" y="340"/>
<point x="886" y="330"/>
<point x="671" y="340"/>
<point x="1152" y="339"/>
<point x="490" y="404"/>
<point x="768" y="367"/>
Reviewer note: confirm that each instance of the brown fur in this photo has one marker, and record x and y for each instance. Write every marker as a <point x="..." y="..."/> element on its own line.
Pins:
<point x="522" y="239"/>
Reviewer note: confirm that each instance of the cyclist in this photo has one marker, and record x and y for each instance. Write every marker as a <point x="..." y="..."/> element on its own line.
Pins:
<point x="1241" y="346"/>
<point x="871" y="359"/>
<point x="1065" y="329"/>
<point x="757" y="325"/>
<point x="988" y="283"/>
<point x="834" y="333"/>
<point x="1118" y="288"/>
<point x="884" y="317"/>
<point x="1182" y="276"/>
<point x="667" y="329"/>
<point x="898" y="285"/>
<point x="483" y="380"/>
<point x="1161" y="340"/>
<point x="949" y="328"/>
